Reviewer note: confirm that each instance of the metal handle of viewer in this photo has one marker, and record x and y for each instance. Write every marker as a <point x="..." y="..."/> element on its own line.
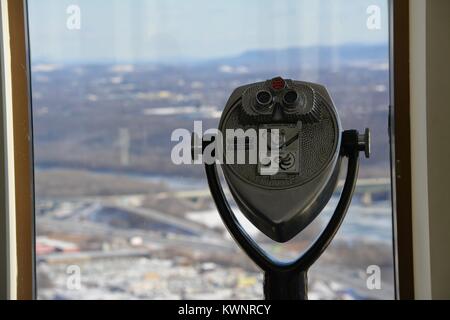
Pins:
<point x="289" y="281"/>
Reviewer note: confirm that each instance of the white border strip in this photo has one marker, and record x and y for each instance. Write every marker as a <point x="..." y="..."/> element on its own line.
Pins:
<point x="419" y="152"/>
<point x="7" y="106"/>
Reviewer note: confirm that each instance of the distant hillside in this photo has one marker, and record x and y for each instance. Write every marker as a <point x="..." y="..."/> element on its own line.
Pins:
<point x="324" y="56"/>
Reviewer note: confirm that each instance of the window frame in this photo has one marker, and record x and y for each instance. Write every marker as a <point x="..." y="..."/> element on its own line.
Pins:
<point x="23" y="174"/>
<point x="16" y="69"/>
<point x="400" y="126"/>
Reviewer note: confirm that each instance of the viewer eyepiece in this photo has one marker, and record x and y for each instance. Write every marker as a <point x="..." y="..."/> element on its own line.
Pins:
<point x="290" y="98"/>
<point x="264" y="98"/>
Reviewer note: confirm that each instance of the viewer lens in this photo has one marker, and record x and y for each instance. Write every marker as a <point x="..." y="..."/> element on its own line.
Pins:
<point x="264" y="98"/>
<point x="290" y="97"/>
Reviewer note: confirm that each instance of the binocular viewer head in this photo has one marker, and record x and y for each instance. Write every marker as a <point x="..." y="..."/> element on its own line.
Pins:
<point x="297" y="144"/>
<point x="294" y="178"/>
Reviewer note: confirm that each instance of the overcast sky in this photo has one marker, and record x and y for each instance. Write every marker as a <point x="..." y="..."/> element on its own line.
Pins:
<point x="165" y="30"/>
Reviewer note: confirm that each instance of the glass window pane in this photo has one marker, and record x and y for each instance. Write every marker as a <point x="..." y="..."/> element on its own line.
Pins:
<point x="111" y="81"/>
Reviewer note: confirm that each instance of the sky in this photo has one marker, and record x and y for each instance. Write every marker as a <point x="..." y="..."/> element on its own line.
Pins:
<point x="193" y="30"/>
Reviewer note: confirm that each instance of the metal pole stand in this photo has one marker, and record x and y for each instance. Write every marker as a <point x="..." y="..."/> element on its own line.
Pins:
<point x="289" y="281"/>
